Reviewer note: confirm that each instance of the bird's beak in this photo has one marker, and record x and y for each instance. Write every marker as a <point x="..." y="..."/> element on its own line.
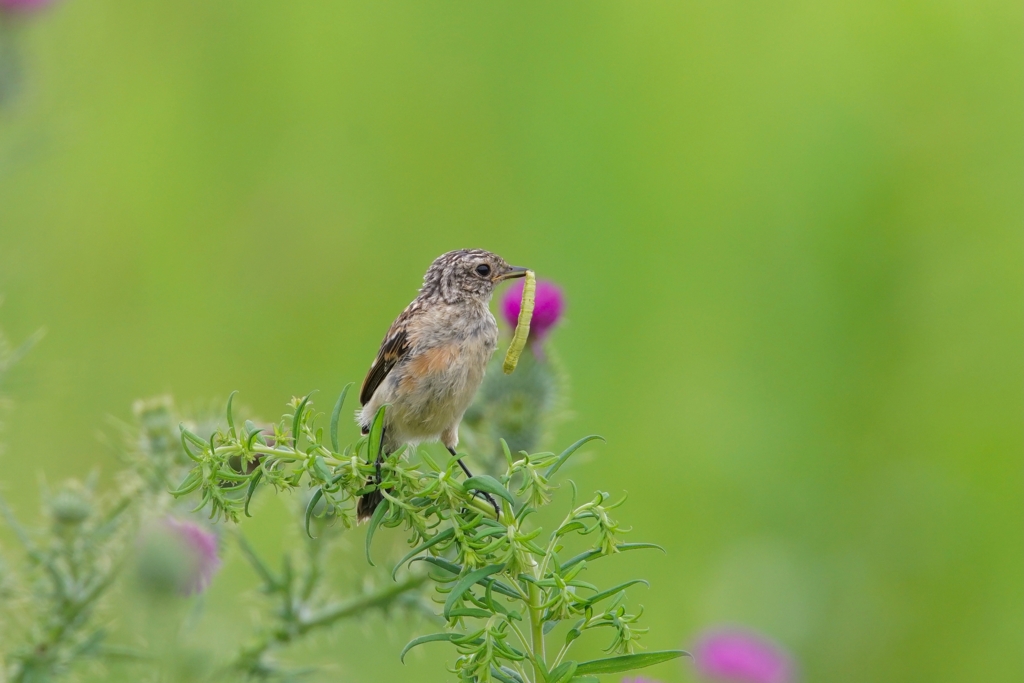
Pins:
<point x="513" y="272"/>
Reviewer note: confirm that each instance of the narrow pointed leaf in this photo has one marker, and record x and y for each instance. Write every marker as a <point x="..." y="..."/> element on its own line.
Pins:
<point x="470" y="612"/>
<point x="568" y="452"/>
<point x="297" y="418"/>
<point x="185" y="435"/>
<point x="614" y="665"/>
<point x="376" y="434"/>
<point x="466" y="583"/>
<point x="231" y="418"/>
<point x="484" y="482"/>
<point x="371" y="528"/>
<point x="621" y="547"/>
<point x="443" y="536"/>
<point x="191" y="482"/>
<point x="336" y="415"/>
<point x="613" y="591"/>
<point x="505" y="675"/>
<point x="499" y="587"/>
<point x="309" y="508"/>
<point x="563" y="672"/>
<point x="432" y="638"/>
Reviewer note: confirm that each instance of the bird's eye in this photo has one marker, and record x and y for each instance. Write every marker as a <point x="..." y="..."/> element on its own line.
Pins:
<point x="483" y="270"/>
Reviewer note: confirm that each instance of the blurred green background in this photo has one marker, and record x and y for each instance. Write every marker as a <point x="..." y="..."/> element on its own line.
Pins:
<point x="789" y="234"/>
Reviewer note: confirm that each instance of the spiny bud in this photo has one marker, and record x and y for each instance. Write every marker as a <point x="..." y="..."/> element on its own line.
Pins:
<point x="70" y="506"/>
<point x="177" y="556"/>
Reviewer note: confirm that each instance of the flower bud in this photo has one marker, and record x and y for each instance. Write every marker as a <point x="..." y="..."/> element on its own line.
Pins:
<point x="177" y="557"/>
<point x="70" y="507"/>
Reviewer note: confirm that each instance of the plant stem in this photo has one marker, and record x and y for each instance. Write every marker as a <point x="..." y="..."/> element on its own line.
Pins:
<point x="332" y="614"/>
<point x="537" y="628"/>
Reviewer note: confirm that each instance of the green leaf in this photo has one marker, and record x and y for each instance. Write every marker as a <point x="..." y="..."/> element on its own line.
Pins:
<point x="575" y="631"/>
<point x="621" y="547"/>
<point x="568" y="452"/>
<point x="452" y="568"/>
<point x="613" y="591"/>
<point x="253" y="483"/>
<point x="563" y="672"/>
<point x="312" y="504"/>
<point x="432" y="638"/>
<point x="485" y="482"/>
<point x="375" y="521"/>
<point x="191" y="482"/>
<point x="505" y="675"/>
<point x="470" y="612"/>
<point x="187" y="435"/>
<point x="335" y="415"/>
<point x="297" y="418"/>
<point x="585" y="679"/>
<point x="438" y="538"/>
<point x="614" y="665"/>
<point x="320" y="465"/>
<point x="570" y="527"/>
<point x="466" y="583"/>
<point x="231" y="419"/>
<point x="376" y="434"/>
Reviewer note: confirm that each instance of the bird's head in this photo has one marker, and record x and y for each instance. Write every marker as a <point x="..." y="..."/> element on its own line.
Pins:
<point x="467" y="274"/>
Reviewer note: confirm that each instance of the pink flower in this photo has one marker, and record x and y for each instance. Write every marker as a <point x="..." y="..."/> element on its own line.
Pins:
<point x="23" y="5"/>
<point x="200" y="545"/>
<point x="178" y="556"/>
<point x="741" y="657"/>
<point x="547" y="310"/>
<point x="639" y="679"/>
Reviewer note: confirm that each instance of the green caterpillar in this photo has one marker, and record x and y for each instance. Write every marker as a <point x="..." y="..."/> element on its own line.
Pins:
<point x="515" y="349"/>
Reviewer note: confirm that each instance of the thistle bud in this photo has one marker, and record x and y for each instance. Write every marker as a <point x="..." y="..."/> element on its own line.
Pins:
<point x="177" y="556"/>
<point x="70" y="507"/>
<point x="520" y="407"/>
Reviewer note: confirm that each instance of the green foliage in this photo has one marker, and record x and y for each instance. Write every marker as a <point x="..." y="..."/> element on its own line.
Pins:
<point x="52" y="604"/>
<point x="301" y="604"/>
<point x="72" y="563"/>
<point x="505" y="582"/>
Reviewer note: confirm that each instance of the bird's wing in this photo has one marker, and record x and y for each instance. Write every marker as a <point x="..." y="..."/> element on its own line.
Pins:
<point x="392" y="349"/>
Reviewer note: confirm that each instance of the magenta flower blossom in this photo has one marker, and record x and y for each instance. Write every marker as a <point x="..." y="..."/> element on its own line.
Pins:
<point x="639" y="679"/>
<point x="741" y="656"/>
<point x="547" y="310"/>
<point x="23" y="5"/>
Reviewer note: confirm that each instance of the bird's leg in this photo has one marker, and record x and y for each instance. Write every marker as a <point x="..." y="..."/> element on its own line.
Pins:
<point x="490" y="499"/>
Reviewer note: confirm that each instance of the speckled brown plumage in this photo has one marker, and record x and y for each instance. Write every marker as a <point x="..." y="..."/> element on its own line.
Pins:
<point x="433" y="357"/>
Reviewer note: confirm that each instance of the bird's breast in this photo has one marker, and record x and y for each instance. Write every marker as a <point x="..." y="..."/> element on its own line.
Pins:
<point x="437" y="380"/>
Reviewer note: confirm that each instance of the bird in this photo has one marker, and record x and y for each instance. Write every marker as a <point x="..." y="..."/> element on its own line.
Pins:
<point x="433" y="358"/>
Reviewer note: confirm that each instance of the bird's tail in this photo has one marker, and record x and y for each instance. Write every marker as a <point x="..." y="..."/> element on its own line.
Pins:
<point x="368" y="502"/>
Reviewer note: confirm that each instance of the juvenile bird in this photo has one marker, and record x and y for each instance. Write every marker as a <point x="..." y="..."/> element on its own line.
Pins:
<point x="432" y="360"/>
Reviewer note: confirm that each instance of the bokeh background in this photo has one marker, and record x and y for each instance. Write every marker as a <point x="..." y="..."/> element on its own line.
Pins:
<point x="789" y="235"/>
